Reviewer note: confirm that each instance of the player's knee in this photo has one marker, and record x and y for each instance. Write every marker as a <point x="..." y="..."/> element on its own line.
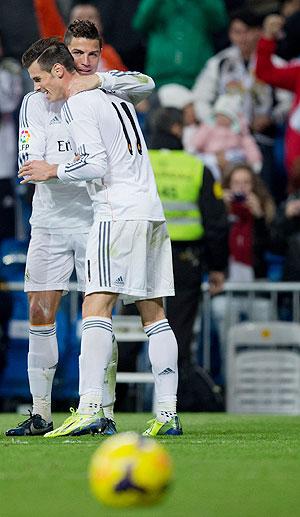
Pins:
<point x="40" y="313"/>
<point x="98" y="305"/>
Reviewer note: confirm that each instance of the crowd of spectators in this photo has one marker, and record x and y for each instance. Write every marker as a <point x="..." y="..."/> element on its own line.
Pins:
<point x="226" y="92"/>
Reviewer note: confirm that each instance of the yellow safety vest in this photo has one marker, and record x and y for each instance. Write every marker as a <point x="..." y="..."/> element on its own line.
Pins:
<point x="179" y="177"/>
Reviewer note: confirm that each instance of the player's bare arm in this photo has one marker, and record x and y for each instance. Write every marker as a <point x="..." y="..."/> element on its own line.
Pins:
<point x="83" y="83"/>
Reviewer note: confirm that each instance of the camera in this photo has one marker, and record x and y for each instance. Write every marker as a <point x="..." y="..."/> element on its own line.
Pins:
<point x="239" y="197"/>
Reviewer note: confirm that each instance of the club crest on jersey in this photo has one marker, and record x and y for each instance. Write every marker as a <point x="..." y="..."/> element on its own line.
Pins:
<point x="24" y="139"/>
<point x="27" y="275"/>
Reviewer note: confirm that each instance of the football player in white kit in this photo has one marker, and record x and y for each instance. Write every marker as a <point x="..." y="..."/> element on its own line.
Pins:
<point x="61" y="219"/>
<point x="128" y="251"/>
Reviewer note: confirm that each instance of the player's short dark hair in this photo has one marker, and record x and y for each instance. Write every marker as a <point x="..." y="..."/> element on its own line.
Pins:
<point x="82" y="29"/>
<point x="47" y="52"/>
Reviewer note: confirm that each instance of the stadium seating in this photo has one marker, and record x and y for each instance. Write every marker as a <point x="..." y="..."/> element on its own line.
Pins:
<point x="263" y="368"/>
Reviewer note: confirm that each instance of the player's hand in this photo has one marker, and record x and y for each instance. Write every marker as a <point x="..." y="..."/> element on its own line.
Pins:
<point x="272" y="26"/>
<point x="83" y="83"/>
<point x="216" y="281"/>
<point x="37" y="170"/>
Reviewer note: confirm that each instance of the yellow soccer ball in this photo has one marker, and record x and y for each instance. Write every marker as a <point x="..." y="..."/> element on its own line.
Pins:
<point x="130" y="470"/>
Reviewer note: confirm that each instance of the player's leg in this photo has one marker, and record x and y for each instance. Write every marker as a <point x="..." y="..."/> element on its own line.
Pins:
<point x="109" y="388"/>
<point x="96" y="349"/>
<point x="96" y="340"/>
<point x="95" y="354"/>
<point x="48" y="269"/>
<point x="43" y="349"/>
<point x="163" y="348"/>
<point x="42" y="362"/>
<point x="163" y="355"/>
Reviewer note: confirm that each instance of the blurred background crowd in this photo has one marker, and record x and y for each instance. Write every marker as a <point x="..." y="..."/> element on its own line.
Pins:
<point x="227" y="93"/>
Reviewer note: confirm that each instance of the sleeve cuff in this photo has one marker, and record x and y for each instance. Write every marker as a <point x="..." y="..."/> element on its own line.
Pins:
<point x="61" y="175"/>
<point x="107" y="80"/>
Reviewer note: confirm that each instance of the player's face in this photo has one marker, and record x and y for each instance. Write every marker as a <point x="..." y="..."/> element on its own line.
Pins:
<point x="46" y="82"/>
<point x="86" y="54"/>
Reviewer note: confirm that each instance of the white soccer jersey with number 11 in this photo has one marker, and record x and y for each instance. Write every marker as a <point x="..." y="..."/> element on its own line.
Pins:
<point x="113" y="157"/>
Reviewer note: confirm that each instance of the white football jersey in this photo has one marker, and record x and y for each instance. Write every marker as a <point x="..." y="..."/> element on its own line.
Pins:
<point x="43" y="136"/>
<point x="64" y="208"/>
<point x="113" y="157"/>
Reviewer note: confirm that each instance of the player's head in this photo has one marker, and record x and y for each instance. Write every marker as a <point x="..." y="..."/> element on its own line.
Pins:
<point x="50" y="66"/>
<point x="84" y="42"/>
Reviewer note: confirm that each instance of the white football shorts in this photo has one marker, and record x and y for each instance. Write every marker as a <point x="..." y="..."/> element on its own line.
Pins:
<point x="51" y="259"/>
<point x="132" y="258"/>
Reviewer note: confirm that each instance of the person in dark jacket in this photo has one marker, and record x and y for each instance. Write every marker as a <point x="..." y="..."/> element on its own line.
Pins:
<point x="285" y="241"/>
<point x="288" y="46"/>
<point x="285" y="231"/>
<point x="197" y="224"/>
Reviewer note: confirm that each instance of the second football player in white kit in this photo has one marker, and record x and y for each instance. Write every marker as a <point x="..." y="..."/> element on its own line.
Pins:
<point x="129" y="250"/>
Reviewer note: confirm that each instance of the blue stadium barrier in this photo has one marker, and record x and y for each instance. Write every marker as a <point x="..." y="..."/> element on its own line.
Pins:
<point x="14" y="380"/>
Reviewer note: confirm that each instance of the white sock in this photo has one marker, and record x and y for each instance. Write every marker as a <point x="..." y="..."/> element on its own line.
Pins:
<point x="109" y="388"/>
<point x="42" y="362"/>
<point x="96" y="351"/>
<point x="163" y="354"/>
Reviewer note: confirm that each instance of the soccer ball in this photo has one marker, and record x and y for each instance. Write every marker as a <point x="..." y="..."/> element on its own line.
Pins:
<point x="129" y="469"/>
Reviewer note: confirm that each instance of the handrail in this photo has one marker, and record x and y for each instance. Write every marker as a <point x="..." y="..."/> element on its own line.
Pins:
<point x="19" y="286"/>
<point x="257" y="285"/>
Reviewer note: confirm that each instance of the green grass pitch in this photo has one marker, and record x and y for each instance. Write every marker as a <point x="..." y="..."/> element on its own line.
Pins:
<point x="225" y="466"/>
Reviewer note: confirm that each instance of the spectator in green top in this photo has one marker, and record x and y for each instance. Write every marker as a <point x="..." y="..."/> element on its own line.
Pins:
<point x="179" y="37"/>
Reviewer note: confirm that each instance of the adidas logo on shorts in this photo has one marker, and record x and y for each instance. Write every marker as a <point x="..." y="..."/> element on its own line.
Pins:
<point x="119" y="281"/>
<point x="166" y="371"/>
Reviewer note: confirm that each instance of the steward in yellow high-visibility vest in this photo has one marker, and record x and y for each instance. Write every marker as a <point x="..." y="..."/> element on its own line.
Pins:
<point x="179" y="178"/>
<point x="197" y="223"/>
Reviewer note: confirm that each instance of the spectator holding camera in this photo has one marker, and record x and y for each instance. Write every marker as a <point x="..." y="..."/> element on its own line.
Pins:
<point x="250" y="210"/>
